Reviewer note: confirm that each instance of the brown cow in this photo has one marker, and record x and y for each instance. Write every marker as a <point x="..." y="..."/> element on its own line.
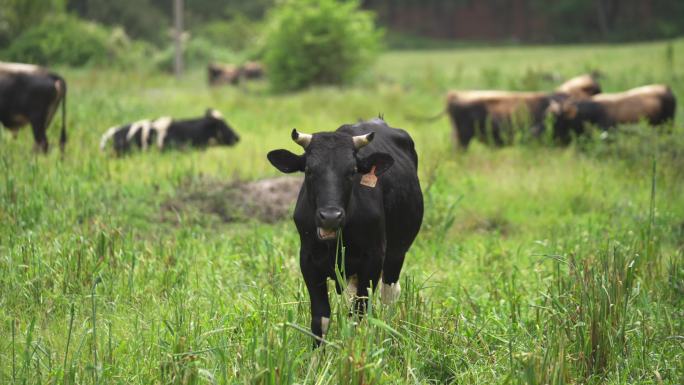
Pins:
<point x="493" y="114"/>
<point x="252" y="70"/>
<point x="653" y="103"/>
<point x="223" y="74"/>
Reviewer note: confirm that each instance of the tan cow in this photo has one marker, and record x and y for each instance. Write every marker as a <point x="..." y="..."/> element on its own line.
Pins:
<point x="654" y="103"/>
<point x="494" y="114"/>
<point x="223" y="74"/>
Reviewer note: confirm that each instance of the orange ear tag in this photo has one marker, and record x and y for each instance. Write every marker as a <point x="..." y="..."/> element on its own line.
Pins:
<point x="369" y="180"/>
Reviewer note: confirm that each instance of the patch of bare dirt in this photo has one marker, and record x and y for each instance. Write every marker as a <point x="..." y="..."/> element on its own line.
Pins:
<point x="207" y="199"/>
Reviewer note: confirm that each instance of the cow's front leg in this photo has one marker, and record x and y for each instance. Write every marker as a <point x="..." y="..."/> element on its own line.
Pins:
<point x="320" y="306"/>
<point x="368" y="278"/>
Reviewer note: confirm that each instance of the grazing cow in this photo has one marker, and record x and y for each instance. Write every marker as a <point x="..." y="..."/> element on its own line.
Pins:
<point x="165" y="132"/>
<point x="31" y="94"/>
<point x="230" y="74"/>
<point x="360" y="187"/>
<point x="493" y="114"/>
<point x="653" y="103"/>
<point x="580" y="87"/>
<point x="252" y="70"/>
<point x="223" y="74"/>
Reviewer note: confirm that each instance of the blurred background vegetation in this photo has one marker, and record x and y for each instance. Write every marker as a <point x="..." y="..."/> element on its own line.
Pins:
<point x="138" y="33"/>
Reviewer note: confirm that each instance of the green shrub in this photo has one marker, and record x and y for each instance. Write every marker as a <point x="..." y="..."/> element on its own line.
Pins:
<point x="197" y="52"/>
<point x="68" y="40"/>
<point x="318" y="42"/>
<point x="142" y="19"/>
<point x="16" y="16"/>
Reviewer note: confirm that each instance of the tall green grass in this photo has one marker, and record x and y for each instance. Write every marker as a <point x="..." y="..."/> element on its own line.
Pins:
<point x="535" y="264"/>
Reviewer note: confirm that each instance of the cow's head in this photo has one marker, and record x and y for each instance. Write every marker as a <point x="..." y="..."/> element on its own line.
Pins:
<point x="565" y="113"/>
<point x="223" y="133"/>
<point x="331" y="166"/>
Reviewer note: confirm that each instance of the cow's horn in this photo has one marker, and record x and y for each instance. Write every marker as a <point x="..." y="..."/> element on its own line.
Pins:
<point x="301" y="139"/>
<point x="362" y="140"/>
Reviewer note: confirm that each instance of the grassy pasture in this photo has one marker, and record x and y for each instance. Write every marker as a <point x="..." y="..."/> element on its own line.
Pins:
<point x="535" y="264"/>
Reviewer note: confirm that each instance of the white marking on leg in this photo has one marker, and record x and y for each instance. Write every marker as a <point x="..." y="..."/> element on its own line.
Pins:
<point x="325" y="322"/>
<point x="135" y="127"/>
<point x="389" y="293"/>
<point x="145" y="135"/>
<point x="352" y="287"/>
<point x="161" y="126"/>
<point x="107" y="135"/>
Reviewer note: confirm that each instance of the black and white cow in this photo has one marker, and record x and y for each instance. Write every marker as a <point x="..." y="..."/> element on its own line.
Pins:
<point x="30" y="94"/>
<point x="164" y="132"/>
<point x="361" y="186"/>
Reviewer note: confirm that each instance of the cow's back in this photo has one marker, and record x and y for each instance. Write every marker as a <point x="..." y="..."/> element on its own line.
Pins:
<point x="632" y="105"/>
<point x="402" y="196"/>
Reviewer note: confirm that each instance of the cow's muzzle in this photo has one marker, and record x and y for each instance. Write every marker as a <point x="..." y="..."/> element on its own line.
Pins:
<point x="329" y="220"/>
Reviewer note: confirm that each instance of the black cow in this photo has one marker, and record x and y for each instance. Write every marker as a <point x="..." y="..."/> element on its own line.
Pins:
<point x="165" y="132"/>
<point x="361" y="185"/>
<point x="654" y="103"/>
<point x="31" y="94"/>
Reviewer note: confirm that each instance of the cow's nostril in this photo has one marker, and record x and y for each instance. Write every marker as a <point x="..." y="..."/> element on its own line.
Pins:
<point x="331" y="214"/>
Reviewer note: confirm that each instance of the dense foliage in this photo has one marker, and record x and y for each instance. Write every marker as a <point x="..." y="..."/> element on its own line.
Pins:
<point x="141" y="19"/>
<point x="16" y="16"/>
<point x="318" y="42"/>
<point x="198" y="52"/>
<point x="239" y="33"/>
<point x="151" y="19"/>
<point x="68" y="40"/>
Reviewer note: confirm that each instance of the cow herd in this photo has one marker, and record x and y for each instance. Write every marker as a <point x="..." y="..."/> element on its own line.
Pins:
<point x="30" y="94"/>
<point x="219" y="73"/>
<point x="492" y="116"/>
<point x="361" y="189"/>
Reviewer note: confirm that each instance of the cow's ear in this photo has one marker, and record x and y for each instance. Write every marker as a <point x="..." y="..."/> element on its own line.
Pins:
<point x="380" y="160"/>
<point x="286" y="161"/>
